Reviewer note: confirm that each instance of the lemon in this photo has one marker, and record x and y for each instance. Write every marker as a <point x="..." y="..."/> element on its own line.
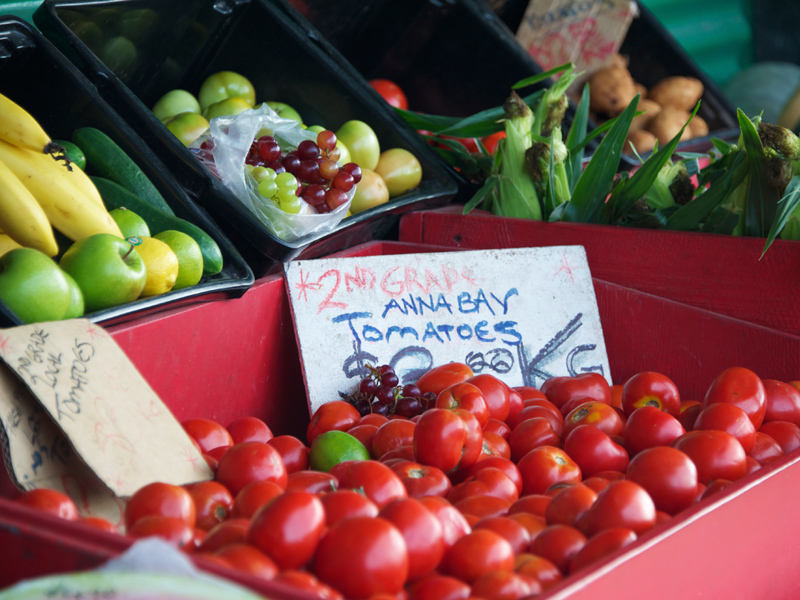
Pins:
<point x="332" y="447"/>
<point x="129" y="223"/>
<point x="190" y="257"/>
<point x="159" y="261"/>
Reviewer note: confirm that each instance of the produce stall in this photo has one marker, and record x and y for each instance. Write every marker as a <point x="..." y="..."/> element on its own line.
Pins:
<point x="246" y="351"/>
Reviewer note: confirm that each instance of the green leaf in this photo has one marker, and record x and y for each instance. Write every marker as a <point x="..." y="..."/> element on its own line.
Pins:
<point x="721" y="145"/>
<point x="577" y="133"/>
<point x="786" y="206"/>
<point x="486" y="189"/>
<point x="595" y="181"/>
<point x="541" y="76"/>
<point x="721" y="220"/>
<point x="762" y="198"/>
<point x="485" y="122"/>
<point x="558" y="213"/>
<point x="426" y="122"/>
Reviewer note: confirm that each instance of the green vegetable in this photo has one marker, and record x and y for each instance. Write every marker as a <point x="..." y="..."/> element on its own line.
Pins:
<point x="73" y="153"/>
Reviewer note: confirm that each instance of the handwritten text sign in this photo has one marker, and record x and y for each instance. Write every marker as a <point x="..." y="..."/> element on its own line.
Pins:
<point x="90" y="398"/>
<point x="523" y="315"/>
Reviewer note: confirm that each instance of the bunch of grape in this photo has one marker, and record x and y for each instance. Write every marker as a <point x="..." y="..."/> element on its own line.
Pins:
<point x="310" y="172"/>
<point x="380" y="392"/>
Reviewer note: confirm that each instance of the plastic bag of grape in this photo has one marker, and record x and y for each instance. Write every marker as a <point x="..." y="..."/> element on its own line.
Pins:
<point x="228" y="149"/>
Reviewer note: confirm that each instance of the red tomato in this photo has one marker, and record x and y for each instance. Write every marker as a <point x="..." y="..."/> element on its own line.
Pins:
<point x="515" y="404"/>
<point x="197" y="539"/>
<point x="466" y="396"/>
<point x="249" y="429"/>
<point x="477" y="553"/>
<point x="532" y="523"/>
<point x="786" y="434"/>
<point x="293" y="451"/>
<point x="232" y="531"/>
<point x="535" y="504"/>
<point x="497" y="447"/>
<point x="398" y="454"/>
<point x="502" y="585"/>
<point x="616" y="395"/>
<point x="569" y="504"/>
<point x="422" y="533"/>
<point x="501" y="428"/>
<point x="496" y="394"/>
<point x="336" y="414"/>
<point x="716" y="454"/>
<point x="554" y="417"/>
<point x="212" y="462"/>
<point x="542" y="467"/>
<point x="530" y="434"/>
<point x="505" y="465"/>
<point x="175" y="531"/>
<point x="288" y="528"/>
<point x="421" y="480"/>
<point x="539" y="568"/>
<point x="783" y="402"/>
<point x="246" y="558"/>
<point x="489" y="481"/>
<point x="651" y="389"/>
<point x="603" y="544"/>
<point x="594" y="451"/>
<point x="447" y="439"/>
<point x="558" y="544"/>
<point x="250" y="461"/>
<point x="391" y="436"/>
<point x="439" y="587"/>
<point x="529" y="392"/>
<point x="99" y="523"/>
<point x="729" y="418"/>
<point x="311" y="481"/>
<point x="218" y="453"/>
<point x="622" y="504"/>
<point x="443" y="376"/>
<point x="765" y="449"/>
<point x="212" y="501"/>
<point x="391" y="92"/>
<point x="649" y="426"/>
<point x="364" y="434"/>
<point x="559" y="390"/>
<point x="207" y="433"/>
<point x="49" y="501"/>
<point x="475" y="508"/>
<point x="603" y="416"/>
<point x="378" y="482"/>
<point x="160" y="499"/>
<point x="305" y="582"/>
<point x="715" y="486"/>
<point x="453" y="523"/>
<point x="490" y="141"/>
<point x="743" y="388"/>
<point x="362" y="556"/>
<point x="372" y="419"/>
<point x="688" y="415"/>
<point x="668" y="475"/>
<point x="253" y="496"/>
<point x="514" y="532"/>
<point x="752" y="465"/>
<point x="342" y="504"/>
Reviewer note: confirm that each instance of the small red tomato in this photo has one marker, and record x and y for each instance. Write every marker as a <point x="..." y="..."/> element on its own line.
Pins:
<point x="538" y="568"/>
<point x="489" y="481"/>
<point x="569" y="504"/>
<point x="447" y="439"/>
<point x="532" y="523"/>
<point x="649" y="426"/>
<point x="622" y="504"/>
<point x="514" y="532"/>
<point x="497" y="447"/>
<point x="391" y="436"/>
<point x="594" y="451"/>
<point x="558" y="544"/>
<point x="175" y="531"/>
<point x="542" y="467"/>
<point x="465" y="396"/>
<point x="207" y="433"/>
<point x="743" y="388"/>
<point x="421" y="531"/>
<point x="602" y="545"/>
<point x="316" y="482"/>
<point x="232" y="531"/>
<point x="377" y="481"/>
<point x="616" y="395"/>
<point x="422" y="480"/>
<point x="668" y="475"/>
<point x="372" y="419"/>
<point x="501" y="428"/>
<point x="49" y="501"/>
<point x="160" y="499"/>
<point x="729" y="418"/>
<point x="715" y="486"/>
<point x="334" y="415"/>
<point x="496" y="394"/>
<point x="504" y="464"/>
<point x="530" y="434"/>
<point x="477" y="553"/>
<point x="559" y="390"/>
<point x="250" y="461"/>
<point x="98" y="523"/>
<point x="454" y="524"/>
<point x="304" y="581"/>
<point x="601" y="415"/>
<point x="212" y="501"/>
<point x="765" y="449"/>
<point x="391" y="92"/>
<point x="293" y="451"/>
<point x="253" y="496"/>
<point x="649" y="388"/>
<point x="515" y="404"/>
<point x="786" y="434"/>
<point x="249" y="429"/>
<point x="783" y="402"/>
<point x="439" y="587"/>
<point x="535" y="504"/>
<point x="554" y="417"/>
<point x="443" y="376"/>
<point x="475" y="508"/>
<point x="401" y="453"/>
<point x="490" y="142"/>
<point x="248" y="559"/>
<point x="502" y="585"/>
<point x="342" y="504"/>
<point x="716" y="454"/>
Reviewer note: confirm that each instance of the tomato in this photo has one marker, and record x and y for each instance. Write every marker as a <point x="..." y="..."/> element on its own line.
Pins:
<point x="447" y="439"/>
<point x="443" y="376"/>
<point x="490" y="142"/>
<point x="514" y="532"/>
<point x="594" y="451"/>
<point x="378" y="482"/>
<point x="689" y="411"/>
<point x="558" y="544"/>
<point x="477" y="553"/>
<point x="421" y="531"/>
<point x="489" y="481"/>
<point x="505" y="465"/>
<point x="539" y="568"/>
<point x="616" y="395"/>
<point x="502" y="585"/>
<point x="465" y="396"/>
<point x="205" y="557"/>
<point x="293" y="451"/>
<point x="161" y="499"/>
<point x="542" y="467"/>
<point x="391" y="92"/>
<point x="253" y="496"/>
<point x="172" y="530"/>
<point x="305" y="582"/>
<point x="372" y="419"/>
<point x="500" y="428"/>
<point x="421" y="480"/>
<point x="362" y="556"/>
<point x="743" y="388"/>
<point x="569" y="504"/>
<point x="400" y="170"/>
<point x="311" y="481"/>
<point x="439" y="587"/>
<point x="288" y="528"/>
<point x="249" y="429"/>
<point x="392" y="435"/>
<point x="729" y="418"/>
<point x="49" y="501"/>
<point x="217" y="453"/>
<point x="498" y="444"/>
<point x="786" y="434"/>
<point x="454" y="524"/>
<point x="783" y="402"/>
<point x="336" y="414"/>
<point x="649" y="388"/>
<point x="530" y="434"/>
<point x="212" y="462"/>
<point x="342" y="504"/>
<point x="603" y="544"/>
<point x="515" y="404"/>
<point x="622" y="504"/>
<point x="601" y="415"/>
<point x="212" y="501"/>
<point x="232" y="531"/>
<point x="535" y="504"/>
<point x="528" y="392"/>
<point x="482" y="507"/>
<point x="398" y="454"/>
<point x="649" y="426"/>
<point x="559" y="390"/>
<point x="250" y="461"/>
<point x="207" y="433"/>
<point x="715" y="486"/>
<point x="496" y="394"/>
<point x="765" y="449"/>
<point x="554" y="417"/>
<point x="668" y="475"/>
<point x="752" y="465"/>
<point x="716" y="454"/>
<point x="248" y="559"/>
<point x="98" y="523"/>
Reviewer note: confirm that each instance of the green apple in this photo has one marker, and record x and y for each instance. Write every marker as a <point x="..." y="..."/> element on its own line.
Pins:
<point x="106" y="268"/>
<point x="173" y="103"/>
<point x="400" y="171"/>
<point x="129" y="222"/>
<point x="285" y="111"/>
<point x="225" y="84"/>
<point x="76" y="306"/>
<point x="361" y="141"/>
<point x="371" y="191"/>
<point x="228" y="107"/>
<point x="187" y="127"/>
<point x="32" y="286"/>
<point x="120" y="55"/>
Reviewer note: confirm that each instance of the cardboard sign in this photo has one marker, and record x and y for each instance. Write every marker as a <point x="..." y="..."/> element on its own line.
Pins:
<point x="78" y="417"/>
<point x="523" y="315"/>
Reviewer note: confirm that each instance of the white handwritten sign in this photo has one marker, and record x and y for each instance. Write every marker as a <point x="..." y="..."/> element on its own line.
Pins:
<point x="72" y="405"/>
<point x="523" y="315"/>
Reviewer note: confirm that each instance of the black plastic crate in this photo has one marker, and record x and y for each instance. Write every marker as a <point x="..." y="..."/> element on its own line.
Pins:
<point x="39" y="78"/>
<point x="187" y="40"/>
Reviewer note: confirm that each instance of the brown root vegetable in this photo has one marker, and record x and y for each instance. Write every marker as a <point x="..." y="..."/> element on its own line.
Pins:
<point x="611" y="89"/>
<point x="667" y="123"/>
<point x="640" y="89"/>
<point x="681" y="92"/>
<point x="698" y="127"/>
<point x="642" y="140"/>
<point x="650" y="108"/>
<point x="617" y="60"/>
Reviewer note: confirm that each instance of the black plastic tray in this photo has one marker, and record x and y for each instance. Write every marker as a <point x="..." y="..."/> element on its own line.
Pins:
<point x="38" y="77"/>
<point x="191" y="39"/>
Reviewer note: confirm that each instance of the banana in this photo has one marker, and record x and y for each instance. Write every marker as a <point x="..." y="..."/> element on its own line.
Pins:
<point x="71" y="212"/>
<point x="75" y="176"/>
<point x="21" y="217"/>
<point x="6" y="244"/>
<point x="18" y="127"/>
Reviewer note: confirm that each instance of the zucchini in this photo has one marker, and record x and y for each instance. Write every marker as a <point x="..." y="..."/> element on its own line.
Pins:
<point x="116" y="196"/>
<point x="73" y="153"/>
<point x="106" y="159"/>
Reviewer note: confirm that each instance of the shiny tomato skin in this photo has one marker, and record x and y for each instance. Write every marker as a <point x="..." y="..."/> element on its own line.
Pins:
<point x="250" y="461"/>
<point x="602" y="545"/>
<point x="99" y="523"/>
<point x="765" y="449"/>
<point x="372" y="419"/>
<point x="490" y="481"/>
<point x="213" y="503"/>
<point x="529" y="412"/>
<point x="500" y="428"/>
<point x="649" y="426"/>
<point x="529" y="392"/>
<point x="650" y="388"/>
<point x="248" y="559"/>
<point x="454" y="524"/>
<point x="336" y="414"/>
<point x="495" y="393"/>
<point x="475" y="508"/>
<point x="249" y="429"/>
<point x="364" y="434"/>
<point x="490" y="142"/>
<point x="49" y="501"/>
<point x="622" y="504"/>
<point x="398" y="454"/>
<point x="741" y="387"/>
<point x="783" y="402"/>
<point x="252" y="497"/>
<point x="207" y="433"/>
<point x="391" y="436"/>
<point x="785" y="433"/>
<point x="668" y="475"/>
<point x="512" y="530"/>
<point x="530" y="434"/>
<point x="343" y="504"/>
<point x="466" y="396"/>
<point x="316" y="482"/>
<point x="558" y="544"/>
<point x="542" y="467"/>
<point x="498" y="445"/>
<point x="504" y="585"/>
<point x="535" y="504"/>
<point x="362" y="556"/>
<point x="603" y="416"/>
<point x="377" y="481"/>
<point x="447" y="439"/>
<point x="688" y="415"/>
<point x="594" y="451"/>
<point x="729" y="418"/>
<point x="504" y="464"/>
<point x="391" y="92"/>
<point x="304" y="581"/>
<point x="616" y="395"/>
<point x="538" y="568"/>
<point x="515" y="404"/>
<point x="160" y="499"/>
<point x="477" y="553"/>
<point x="752" y="465"/>
<point x="443" y="376"/>
<point x="569" y="504"/>
<point x="439" y="587"/>
<point x="293" y="451"/>
<point x="533" y="524"/>
<point x="422" y="533"/>
<point x="716" y="454"/>
<point x="175" y="531"/>
<point x="559" y="390"/>
<point x="714" y="487"/>
<point x="232" y="531"/>
<point x="422" y="480"/>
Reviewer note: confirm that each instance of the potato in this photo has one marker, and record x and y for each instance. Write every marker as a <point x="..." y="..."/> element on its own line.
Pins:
<point x="698" y="127"/>
<point x="611" y="90"/>
<point x="617" y="60"/>
<point x="642" y="140"/>
<point x="667" y="123"/>
<point x="650" y="108"/>
<point x="681" y="92"/>
<point x="640" y="89"/>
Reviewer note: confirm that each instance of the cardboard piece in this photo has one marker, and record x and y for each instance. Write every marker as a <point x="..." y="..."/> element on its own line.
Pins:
<point x="523" y="315"/>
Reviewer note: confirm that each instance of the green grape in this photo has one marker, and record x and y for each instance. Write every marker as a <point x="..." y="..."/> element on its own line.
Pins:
<point x="291" y="206"/>
<point x="286" y="180"/>
<point x="267" y="188"/>
<point x="262" y="173"/>
<point x="286" y="194"/>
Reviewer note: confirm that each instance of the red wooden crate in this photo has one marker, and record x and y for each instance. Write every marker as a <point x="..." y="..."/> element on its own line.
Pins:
<point x="719" y="273"/>
<point x="236" y="357"/>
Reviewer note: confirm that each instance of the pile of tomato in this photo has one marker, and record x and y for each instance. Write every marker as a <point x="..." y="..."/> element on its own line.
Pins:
<point x="496" y="492"/>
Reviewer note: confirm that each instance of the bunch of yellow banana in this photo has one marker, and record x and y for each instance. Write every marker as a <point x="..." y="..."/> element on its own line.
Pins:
<point x="39" y="191"/>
